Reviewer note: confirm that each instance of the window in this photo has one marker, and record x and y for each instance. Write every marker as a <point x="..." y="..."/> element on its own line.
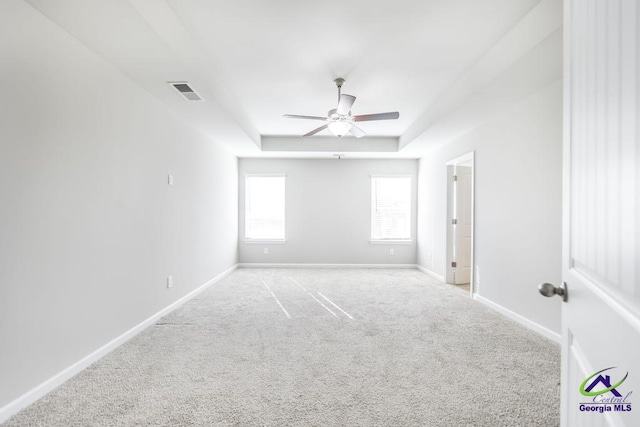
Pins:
<point x="390" y="208"/>
<point x="264" y="207"/>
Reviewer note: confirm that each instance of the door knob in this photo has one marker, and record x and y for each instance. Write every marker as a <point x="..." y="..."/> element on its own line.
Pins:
<point x="548" y="290"/>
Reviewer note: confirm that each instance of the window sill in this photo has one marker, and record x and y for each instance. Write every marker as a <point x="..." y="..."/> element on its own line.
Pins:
<point x="391" y="242"/>
<point x="265" y="241"/>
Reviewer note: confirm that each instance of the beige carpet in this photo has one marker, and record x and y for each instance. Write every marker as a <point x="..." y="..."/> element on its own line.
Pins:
<point x="258" y="349"/>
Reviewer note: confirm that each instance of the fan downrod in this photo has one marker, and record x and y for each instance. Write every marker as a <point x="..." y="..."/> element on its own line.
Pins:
<point x="339" y="82"/>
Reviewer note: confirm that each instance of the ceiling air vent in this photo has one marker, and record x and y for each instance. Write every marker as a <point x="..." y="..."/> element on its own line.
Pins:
<point x="185" y="90"/>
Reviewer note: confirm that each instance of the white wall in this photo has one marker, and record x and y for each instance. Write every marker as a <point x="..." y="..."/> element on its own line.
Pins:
<point x="518" y="192"/>
<point x="89" y="228"/>
<point x="328" y="212"/>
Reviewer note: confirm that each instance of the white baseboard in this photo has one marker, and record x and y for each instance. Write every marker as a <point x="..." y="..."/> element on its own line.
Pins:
<point x="430" y="273"/>
<point x="554" y="336"/>
<point x="41" y="390"/>
<point x="302" y="265"/>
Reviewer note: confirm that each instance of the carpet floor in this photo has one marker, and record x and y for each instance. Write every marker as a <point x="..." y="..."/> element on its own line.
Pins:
<point x="318" y="347"/>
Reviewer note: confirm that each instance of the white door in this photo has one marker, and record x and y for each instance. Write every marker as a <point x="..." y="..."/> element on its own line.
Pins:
<point x="462" y="228"/>
<point x="601" y="244"/>
<point x="460" y="201"/>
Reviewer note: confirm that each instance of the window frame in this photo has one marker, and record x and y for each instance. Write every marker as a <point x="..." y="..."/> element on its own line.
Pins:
<point x="273" y="241"/>
<point x="391" y="241"/>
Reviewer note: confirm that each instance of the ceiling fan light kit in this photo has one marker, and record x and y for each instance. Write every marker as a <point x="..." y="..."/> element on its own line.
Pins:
<point x="340" y="128"/>
<point x="339" y="120"/>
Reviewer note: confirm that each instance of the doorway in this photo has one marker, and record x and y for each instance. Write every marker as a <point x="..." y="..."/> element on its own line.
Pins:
<point x="460" y="208"/>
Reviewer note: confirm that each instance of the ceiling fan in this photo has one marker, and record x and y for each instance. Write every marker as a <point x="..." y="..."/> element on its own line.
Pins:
<point x="339" y="120"/>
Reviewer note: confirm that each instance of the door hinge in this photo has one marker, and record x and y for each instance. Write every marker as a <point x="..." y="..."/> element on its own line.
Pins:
<point x="454" y="178"/>
<point x="454" y="264"/>
<point x="454" y="221"/>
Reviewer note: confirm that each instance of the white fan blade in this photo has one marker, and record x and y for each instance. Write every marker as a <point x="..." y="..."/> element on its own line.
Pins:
<point x="296" y="116"/>
<point x="313" y="132"/>
<point x="378" y="116"/>
<point x="344" y="106"/>
<point x="356" y="131"/>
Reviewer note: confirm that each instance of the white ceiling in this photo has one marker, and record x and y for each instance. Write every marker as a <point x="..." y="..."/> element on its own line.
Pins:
<point x="254" y="61"/>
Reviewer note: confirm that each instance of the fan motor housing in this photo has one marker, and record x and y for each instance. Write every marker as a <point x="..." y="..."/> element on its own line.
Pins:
<point x="333" y="116"/>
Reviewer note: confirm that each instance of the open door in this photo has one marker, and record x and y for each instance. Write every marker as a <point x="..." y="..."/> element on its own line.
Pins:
<point x="463" y="224"/>
<point x="601" y="244"/>
<point x="460" y="220"/>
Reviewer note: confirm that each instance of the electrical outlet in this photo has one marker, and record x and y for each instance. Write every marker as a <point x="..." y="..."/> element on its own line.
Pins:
<point x="170" y="282"/>
<point x="266" y="251"/>
<point x="170" y="180"/>
<point x="392" y="252"/>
